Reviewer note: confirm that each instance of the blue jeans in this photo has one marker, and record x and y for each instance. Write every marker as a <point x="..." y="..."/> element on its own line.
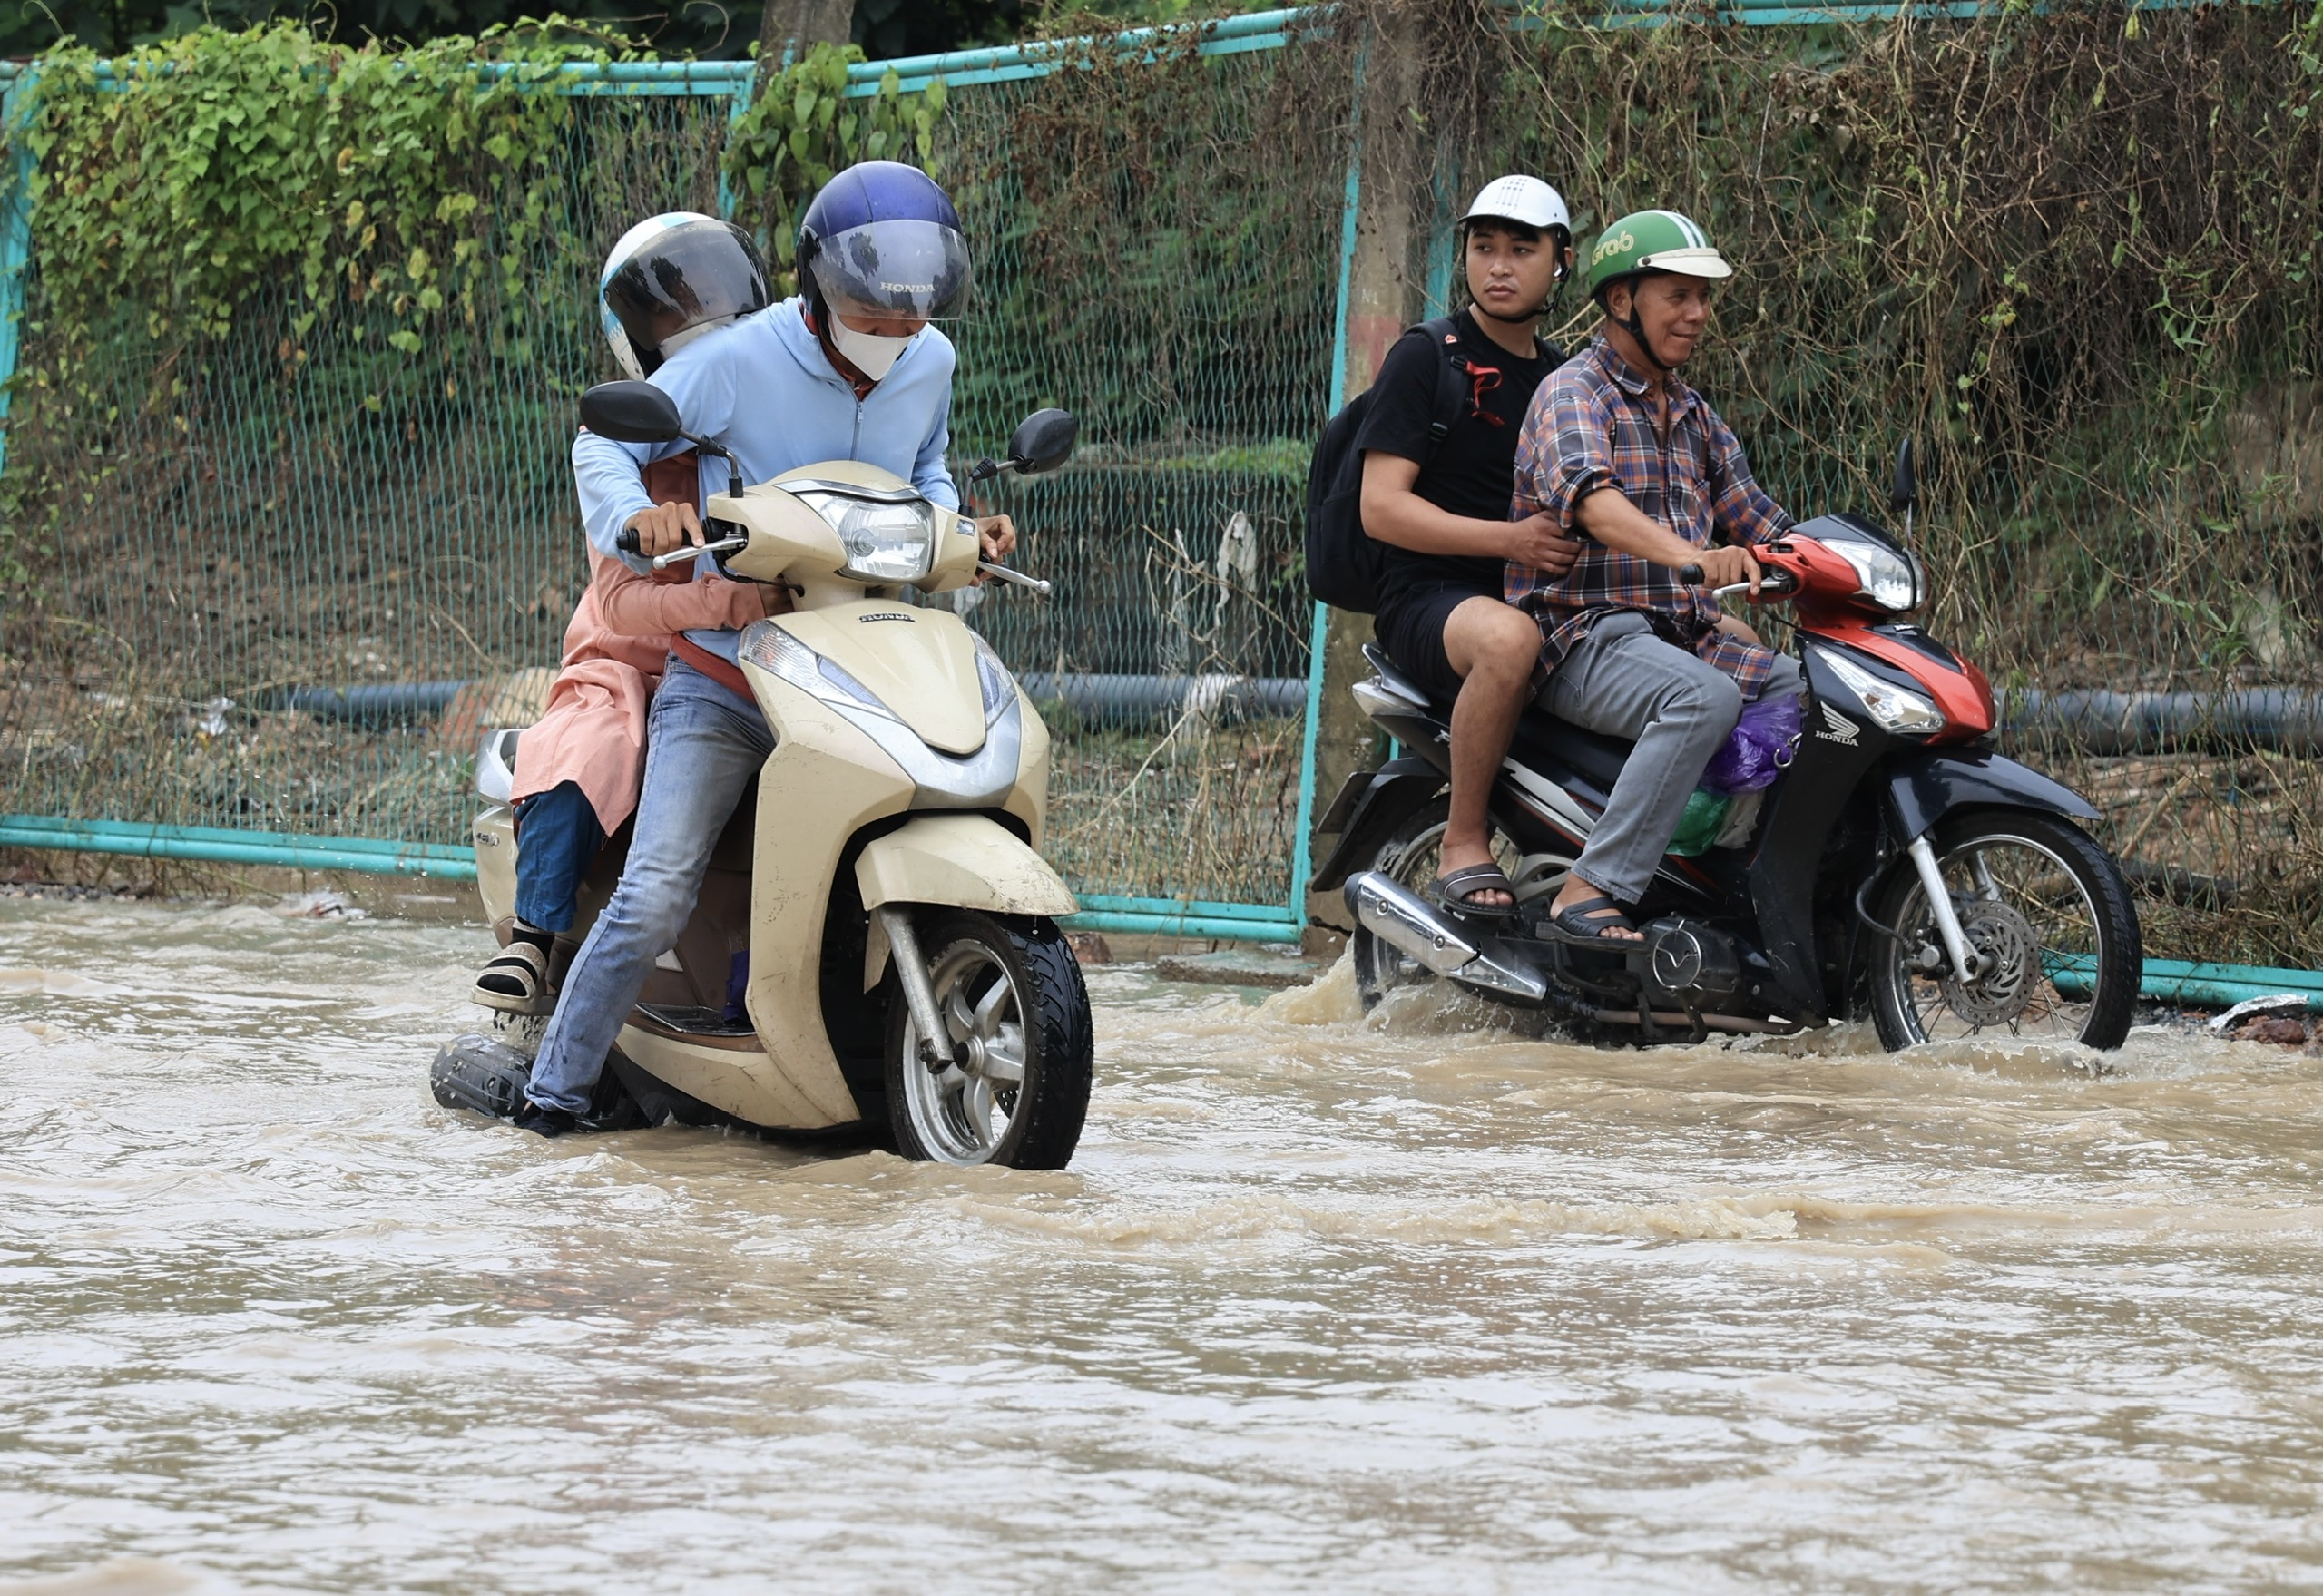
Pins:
<point x="557" y="839"/>
<point x="704" y="742"/>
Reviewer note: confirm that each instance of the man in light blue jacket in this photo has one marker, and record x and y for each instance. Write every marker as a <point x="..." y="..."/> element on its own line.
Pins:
<point x="850" y="371"/>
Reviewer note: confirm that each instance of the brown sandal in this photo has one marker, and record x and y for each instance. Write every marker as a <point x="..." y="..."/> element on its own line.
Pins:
<point x="1451" y="890"/>
<point x="1581" y="924"/>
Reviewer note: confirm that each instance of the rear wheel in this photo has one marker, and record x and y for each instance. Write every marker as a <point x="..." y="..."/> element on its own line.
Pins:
<point x="2045" y="912"/>
<point x="1015" y="1013"/>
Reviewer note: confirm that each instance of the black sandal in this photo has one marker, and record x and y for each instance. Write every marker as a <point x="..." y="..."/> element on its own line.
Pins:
<point x="1451" y="890"/>
<point x="1578" y="924"/>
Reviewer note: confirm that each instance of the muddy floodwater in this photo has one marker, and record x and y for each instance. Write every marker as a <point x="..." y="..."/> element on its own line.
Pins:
<point x="1401" y="1305"/>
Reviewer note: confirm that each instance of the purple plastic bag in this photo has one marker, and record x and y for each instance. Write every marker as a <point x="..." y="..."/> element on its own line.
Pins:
<point x="1761" y="743"/>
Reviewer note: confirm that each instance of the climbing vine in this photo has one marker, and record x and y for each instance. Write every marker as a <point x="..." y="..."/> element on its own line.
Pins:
<point x="182" y="180"/>
<point x="802" y="127"/>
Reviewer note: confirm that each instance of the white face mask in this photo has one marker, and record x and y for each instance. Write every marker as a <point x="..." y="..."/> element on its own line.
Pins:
<point x="873" y="355"/>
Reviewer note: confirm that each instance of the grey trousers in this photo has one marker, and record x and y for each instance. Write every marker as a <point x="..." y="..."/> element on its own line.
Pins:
<point x="1622" y="681"/>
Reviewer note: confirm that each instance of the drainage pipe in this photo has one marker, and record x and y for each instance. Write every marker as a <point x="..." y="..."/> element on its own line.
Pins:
<point x="1127" y="697"/>
<point x="2098" y="720"/>
<point x="2222" y="986"/>
<point x="2202" y="985"/>
<point x="1094" y="695"/>
<point x="378" y="703"/>
<point x="2286" y="719"/>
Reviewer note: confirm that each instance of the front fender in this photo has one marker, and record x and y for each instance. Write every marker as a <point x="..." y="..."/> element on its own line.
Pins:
<point x="969" y="861"/>
<point x="1926" y="784"/>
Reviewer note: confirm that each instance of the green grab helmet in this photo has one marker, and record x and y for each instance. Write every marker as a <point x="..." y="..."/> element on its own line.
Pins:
<point x="1647" y="241"/>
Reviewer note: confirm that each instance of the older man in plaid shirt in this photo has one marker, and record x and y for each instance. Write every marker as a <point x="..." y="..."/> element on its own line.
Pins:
<point x="1618" y="451"/>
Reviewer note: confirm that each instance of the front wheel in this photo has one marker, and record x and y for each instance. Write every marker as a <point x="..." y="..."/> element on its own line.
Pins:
<point x="2049" y="919"/>
<point x="1016" y="1014"/>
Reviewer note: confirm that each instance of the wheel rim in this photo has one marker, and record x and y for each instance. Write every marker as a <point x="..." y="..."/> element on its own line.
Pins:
<point x="2028" y="918"/>
<point x="962" y="1112"/>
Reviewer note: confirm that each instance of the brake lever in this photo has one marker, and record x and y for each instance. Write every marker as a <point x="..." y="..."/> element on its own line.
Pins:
<point x="1015" y="578"/>
<point x="728" y="545"/>
<point x="1773" y="584"/>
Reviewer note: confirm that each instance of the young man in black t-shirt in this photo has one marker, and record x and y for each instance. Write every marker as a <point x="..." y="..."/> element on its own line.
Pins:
<point x="1443" y="512"/>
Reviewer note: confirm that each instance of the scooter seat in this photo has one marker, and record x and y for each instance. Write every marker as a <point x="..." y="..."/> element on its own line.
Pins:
<point x="1541" y="737"/>
<point x="1546" y="743"/>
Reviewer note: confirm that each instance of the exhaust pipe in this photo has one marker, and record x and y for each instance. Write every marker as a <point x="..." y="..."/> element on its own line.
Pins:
<point x="1398" y="918"/>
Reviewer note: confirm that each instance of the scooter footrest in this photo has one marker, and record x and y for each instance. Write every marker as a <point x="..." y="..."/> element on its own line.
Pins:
<point x="694" y="1022"/>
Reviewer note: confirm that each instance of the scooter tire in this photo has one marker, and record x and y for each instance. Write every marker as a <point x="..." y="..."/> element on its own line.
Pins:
<point x="1046" y="1111"/>
<point x="2115" y="967"/>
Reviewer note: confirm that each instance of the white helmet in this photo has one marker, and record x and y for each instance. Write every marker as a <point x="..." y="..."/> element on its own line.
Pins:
<point x="1528" y="200"/>
<point x="673" y="279"/>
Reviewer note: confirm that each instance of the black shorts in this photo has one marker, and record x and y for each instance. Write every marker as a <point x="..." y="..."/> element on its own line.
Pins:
<point x="1410" y="627"/>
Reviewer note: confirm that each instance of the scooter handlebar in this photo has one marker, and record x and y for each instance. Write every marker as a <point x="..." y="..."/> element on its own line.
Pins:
<point x="728" y="545"/>
<point x="1772" y="584"/>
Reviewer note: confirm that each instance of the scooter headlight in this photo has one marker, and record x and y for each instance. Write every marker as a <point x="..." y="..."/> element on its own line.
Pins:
<point x="773" y="649"/>
<point x="887" y="541"/>
<point x="1896" y="582"/>
<point x="1897" y="709"/>
<point x="999" y="688"/>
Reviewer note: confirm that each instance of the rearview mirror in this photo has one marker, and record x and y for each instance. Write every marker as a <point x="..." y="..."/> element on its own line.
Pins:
<point x="1042" y="441"/>
<point x="1906" y="489"/>
<point x="631" y="413"/>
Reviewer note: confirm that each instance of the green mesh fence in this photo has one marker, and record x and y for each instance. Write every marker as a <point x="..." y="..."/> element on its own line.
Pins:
<point x="297" y="575"/>
<point x="291" y="589"/>
<point x="286" y="593"/>
<point x="1179" y="298"/>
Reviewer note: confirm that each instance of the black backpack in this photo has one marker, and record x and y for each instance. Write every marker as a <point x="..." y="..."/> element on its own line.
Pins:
<point x="1343" y="562"/>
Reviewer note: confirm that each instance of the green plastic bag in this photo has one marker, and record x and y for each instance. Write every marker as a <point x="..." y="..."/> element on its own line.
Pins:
<point x="1704" y="819"/>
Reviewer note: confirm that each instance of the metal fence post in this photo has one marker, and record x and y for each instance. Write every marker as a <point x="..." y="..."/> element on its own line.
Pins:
<point x="16" y="231"/>
<point x="728" y="200"/>
<point x="1319" y="621"/>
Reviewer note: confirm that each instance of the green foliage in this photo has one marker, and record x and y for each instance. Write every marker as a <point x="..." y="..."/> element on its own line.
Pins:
<point x="803" y="128"/>
<point x="198" y="172"/>
<point x="2066" y="249"/>
<point x="1156" y="237"/>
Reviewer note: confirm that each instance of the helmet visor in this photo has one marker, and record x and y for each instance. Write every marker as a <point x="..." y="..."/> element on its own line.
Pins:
<point x="895" y="270"/>
<point x="703" y="272"/>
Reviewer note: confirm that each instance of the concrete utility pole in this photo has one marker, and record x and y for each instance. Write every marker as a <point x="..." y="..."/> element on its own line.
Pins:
<point x="1384" y="297"/>
<point x="798" y="25"/>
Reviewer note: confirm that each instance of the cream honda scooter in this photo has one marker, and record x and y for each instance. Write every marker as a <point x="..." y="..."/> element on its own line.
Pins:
<point x="875" y="939"/>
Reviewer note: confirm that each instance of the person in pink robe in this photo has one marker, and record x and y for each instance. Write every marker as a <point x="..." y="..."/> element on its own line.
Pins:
<point x="579" y="767"/>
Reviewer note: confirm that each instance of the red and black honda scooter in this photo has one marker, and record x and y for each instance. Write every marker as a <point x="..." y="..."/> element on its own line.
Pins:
<point x="1897" y="866"/>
